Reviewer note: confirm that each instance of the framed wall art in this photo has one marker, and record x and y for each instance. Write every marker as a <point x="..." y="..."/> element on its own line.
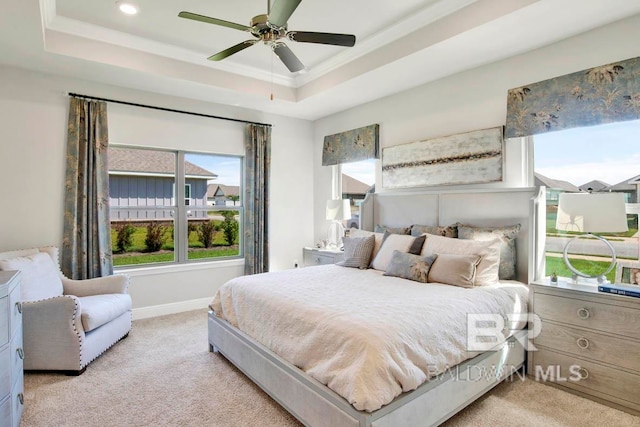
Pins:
<point x="465" y="158"/>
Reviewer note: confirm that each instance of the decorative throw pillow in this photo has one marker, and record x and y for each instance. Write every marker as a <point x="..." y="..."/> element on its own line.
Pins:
<point x="507" y="235"/>
<point x="40" y="276"/>
<point x="488" y="251"/>
<point x="450" y="231"/>
<point x="355" y="232"/>
<point x="357" y="251"/>
<point x="393" y="242"/>
<point x="392" y="230"/>
<point x="456" y="270"/>
<point x="409" y="266"/>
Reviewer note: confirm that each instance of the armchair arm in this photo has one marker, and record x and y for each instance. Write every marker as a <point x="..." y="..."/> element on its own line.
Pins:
<point x="116" y="284"/>
<point x="53" y="333"/>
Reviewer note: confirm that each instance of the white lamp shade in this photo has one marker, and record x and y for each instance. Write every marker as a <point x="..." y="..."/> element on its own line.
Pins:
<point x="338" y="210"/>
<point x="595" y="212"/>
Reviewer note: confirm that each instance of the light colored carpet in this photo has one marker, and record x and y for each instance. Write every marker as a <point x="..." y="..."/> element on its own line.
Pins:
<point x="164" y="375"/>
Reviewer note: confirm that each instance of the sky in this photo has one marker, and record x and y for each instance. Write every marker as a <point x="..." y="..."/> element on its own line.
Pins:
<point x="363" y="171"/>
<point x="226" y="167"/>
<point x="609" y="153"/>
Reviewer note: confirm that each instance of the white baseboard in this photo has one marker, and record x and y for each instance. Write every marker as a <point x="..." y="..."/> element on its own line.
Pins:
<point x="171" y="308"/>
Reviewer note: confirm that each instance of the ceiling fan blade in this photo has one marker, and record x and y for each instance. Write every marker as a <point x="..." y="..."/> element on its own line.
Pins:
<point x="209" y="20"/>
<point x="288" y="58"/>
<point x="322" y="38"/>
<point x="281" y="11"/>
<point x="233" y="49"/>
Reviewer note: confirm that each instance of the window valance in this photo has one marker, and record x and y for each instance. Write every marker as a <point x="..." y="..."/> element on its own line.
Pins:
<point x="351" y="146"/>
<point x="605" y="94"/>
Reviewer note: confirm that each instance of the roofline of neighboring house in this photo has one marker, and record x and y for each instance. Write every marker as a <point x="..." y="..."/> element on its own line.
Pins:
<point x="161" y="175"/>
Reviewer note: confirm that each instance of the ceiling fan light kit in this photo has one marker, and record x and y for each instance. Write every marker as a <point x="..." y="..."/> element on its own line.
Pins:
<point x="271" y="29"/>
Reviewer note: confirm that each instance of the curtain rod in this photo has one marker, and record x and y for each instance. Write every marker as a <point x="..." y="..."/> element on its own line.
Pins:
<point x="115" y="101"/>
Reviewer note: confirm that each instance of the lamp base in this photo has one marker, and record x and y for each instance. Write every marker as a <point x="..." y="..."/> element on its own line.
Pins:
<point x="601" y="278"/>
<point x="334" y="235"/>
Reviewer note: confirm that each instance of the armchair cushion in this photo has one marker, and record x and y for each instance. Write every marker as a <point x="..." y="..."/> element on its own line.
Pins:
<point x="40" y="276"/>
<point x="96" y="310"/>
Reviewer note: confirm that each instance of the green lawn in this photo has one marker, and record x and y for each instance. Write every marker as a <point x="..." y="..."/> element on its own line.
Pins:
<point x="138" y="254"/>
<point x="556" y="265"/>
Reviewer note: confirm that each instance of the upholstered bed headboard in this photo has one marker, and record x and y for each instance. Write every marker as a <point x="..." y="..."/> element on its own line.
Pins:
<point x="485" y="208"/>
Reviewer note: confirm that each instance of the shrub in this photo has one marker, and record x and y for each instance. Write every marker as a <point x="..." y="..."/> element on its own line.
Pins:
<point x="155" y="236"/>
<point x="124" y="236"/>
<point x="230" y="229"/>
<point x="206" y="232"/>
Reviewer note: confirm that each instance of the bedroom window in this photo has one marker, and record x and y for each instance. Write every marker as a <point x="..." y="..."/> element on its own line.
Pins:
<point x="357" y="179"/>
<point x="152" y="223"/>
<point x="600" y="159"/>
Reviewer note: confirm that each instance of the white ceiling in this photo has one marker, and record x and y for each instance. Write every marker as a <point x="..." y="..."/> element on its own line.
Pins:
<point x="398" y="45"/>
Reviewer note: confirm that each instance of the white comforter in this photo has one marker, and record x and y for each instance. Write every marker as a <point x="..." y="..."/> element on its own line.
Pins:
<point x="366" y="336"/>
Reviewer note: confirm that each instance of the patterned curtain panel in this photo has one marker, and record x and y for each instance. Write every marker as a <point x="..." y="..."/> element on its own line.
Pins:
<point x="606" y="94"/>
<point x="351" y="146"/>
<point x="86" y="245"/>
<point x="256" y="224"/>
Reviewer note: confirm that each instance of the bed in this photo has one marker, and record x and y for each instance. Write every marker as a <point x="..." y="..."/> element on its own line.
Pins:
<point x="423" y="389"/>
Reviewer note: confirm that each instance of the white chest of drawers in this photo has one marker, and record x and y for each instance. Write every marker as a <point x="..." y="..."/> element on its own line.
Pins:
<point x="313" y="256"/>
<point x="589" y="343"/>
<point x="11" y="354"/>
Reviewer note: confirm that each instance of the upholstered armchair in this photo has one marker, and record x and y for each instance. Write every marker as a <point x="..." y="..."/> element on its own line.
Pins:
<point x="67" y="323"/>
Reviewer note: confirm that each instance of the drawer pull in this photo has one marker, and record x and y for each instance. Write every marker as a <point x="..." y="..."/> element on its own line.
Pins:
<point x="583" y="343"/>
<point x="583" y="313"/>
<point x="19" y="307"/>
<point x="584" y="374"/>
<point x="20" y="353"/>
<point x="21" y="398"/>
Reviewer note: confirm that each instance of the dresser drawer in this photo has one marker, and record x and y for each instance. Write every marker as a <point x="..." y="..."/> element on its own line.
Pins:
<point x="591" y="345"/>
<point x="17" y="402"/>
<point x="17" y="356"/>
<point x="588" y="377"/>
<point x="588" y="314"/>
<point x="15" y="309"/>
<point x="4" y="320"/>
<point x="5" y="372"/>
<point x="5" y="410"/>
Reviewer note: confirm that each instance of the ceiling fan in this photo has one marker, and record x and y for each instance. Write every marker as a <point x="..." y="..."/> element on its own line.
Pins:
<point x="270" y="29"/>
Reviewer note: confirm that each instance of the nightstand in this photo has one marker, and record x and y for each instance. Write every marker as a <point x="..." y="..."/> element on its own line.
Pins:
<point x="589" y="343"/>
<point x="314" y="256"/>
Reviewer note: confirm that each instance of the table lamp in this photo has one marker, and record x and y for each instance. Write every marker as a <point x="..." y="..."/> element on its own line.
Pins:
<point x="338" y="210"/>
<point x="591" y="213"/>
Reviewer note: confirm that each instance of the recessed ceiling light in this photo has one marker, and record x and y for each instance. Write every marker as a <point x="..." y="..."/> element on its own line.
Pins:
<point x="127" y="8"/>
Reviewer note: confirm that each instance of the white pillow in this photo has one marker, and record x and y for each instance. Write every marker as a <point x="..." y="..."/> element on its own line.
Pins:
<point x="392" y="242"/>
<point x="40" y="276"/>
<point x="488" y="251"/>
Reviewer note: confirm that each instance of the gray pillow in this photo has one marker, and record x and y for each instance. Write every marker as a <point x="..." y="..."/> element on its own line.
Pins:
<point x="393" y="230"/>
<point x="409" y="266"/>
<point x="357" y="251"/>
<point x="450" y="231"/>
<point x="507" y="236"/>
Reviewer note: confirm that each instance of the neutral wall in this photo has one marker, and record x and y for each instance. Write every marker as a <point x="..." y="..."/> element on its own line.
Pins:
<point x="471" y="100"/>
<point x="33" y="115"/>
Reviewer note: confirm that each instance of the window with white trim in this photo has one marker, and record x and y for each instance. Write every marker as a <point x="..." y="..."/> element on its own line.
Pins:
<point x="149" y="225"/>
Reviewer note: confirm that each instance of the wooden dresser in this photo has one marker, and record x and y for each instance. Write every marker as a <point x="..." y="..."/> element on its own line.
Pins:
<point x="589" y="343"/>
<point x="11" y="354"/>
<point x="313" y="256"/>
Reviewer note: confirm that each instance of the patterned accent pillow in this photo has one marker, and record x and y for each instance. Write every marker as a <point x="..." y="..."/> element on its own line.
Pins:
<point x="392" y="230"/>
<point x="456" y="270"/>
<point x="450" y="231"/>
<point x="507" y="235"/>
<point x="488" y="251"/>
<point x="392" y="242"/>
<point x="409" y="266"/>
<point x="357" y="251"/>
<point x="356" y="232"/>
